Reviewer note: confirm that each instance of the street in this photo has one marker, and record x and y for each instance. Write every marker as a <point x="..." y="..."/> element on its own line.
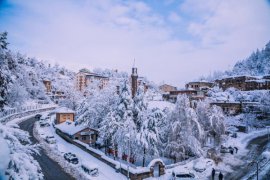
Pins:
<point x="256" y="146"/>
<point x="51" y="169"/>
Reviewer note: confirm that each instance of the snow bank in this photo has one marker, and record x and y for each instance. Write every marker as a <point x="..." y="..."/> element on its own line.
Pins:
<point x="4" y="157"/>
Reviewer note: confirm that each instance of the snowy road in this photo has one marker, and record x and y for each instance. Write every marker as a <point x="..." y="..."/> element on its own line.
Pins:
<point x="256" y="146"/>
<point x="51" y="169"/>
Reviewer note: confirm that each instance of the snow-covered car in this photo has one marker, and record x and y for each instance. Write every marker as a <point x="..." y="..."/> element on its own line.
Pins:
<point x="71" y="158"/>
<point x="201" y="165"/>
<point x="91" y="170"/>
<point x="44" y="117"/>
<point x="44" y="123"/>
<point x="224" y="149"/>
<point x="50" y="139"/>
<point x="183" y="175"/>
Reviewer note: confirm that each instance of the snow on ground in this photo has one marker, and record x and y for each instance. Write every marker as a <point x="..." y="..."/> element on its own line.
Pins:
<point x="105" y="171"/>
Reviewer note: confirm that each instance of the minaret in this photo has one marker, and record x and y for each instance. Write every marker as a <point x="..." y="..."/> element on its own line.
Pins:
<point x="134" y="79"/>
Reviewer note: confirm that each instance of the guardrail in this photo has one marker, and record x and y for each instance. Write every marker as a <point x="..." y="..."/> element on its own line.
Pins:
<point x="10" y="114"/>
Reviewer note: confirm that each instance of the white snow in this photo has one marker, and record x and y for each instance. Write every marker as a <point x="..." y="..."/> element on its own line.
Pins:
<point x="64" y="110"/>
<point x="105" y="171"/>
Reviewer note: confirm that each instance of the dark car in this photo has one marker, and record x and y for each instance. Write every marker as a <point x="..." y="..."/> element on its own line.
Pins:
<point x="38" y="116"/>
<point x="183" y="175"/>
<point x="71" y="158"/>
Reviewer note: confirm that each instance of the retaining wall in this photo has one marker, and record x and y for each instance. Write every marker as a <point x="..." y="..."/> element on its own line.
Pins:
<point x="138" y="176"/>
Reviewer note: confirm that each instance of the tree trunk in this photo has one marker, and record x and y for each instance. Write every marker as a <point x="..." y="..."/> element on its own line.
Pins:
<point x="144" y="151"/>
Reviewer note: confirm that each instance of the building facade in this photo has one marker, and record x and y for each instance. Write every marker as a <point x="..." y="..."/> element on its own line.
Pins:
<point x="84" y="79"/>
<point x="238" y="82"/>
<point x="64" y="114"/>
<point x="245" y="83"/>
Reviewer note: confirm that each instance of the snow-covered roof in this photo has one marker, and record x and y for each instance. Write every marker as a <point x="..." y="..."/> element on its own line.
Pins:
<point x="63" y="110"/>
<point x="154" y="161"/>
<point x="161" y="105"/>
<point x="258" y="80"/>
<point x="69" y="127"/>
<point x="238" y="76"/>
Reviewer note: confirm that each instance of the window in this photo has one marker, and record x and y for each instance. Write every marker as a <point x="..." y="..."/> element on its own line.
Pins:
<point x="83" y="138"/>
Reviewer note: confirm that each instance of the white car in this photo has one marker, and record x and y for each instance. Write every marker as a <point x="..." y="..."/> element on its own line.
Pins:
<point x="44" y="123"/>
<point x="50" y="139"/>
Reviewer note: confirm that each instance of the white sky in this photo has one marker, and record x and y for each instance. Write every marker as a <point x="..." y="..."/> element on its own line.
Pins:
<point x="172" y="41"/>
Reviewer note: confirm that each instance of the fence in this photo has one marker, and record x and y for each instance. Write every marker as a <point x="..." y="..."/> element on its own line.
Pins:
<point x="8" y="114"/>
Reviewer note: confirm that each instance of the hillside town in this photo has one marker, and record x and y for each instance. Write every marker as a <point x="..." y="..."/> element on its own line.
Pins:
<point x="124" y="121"/>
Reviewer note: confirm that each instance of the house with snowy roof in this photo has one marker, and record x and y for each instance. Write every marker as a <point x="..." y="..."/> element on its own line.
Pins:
<point x="63" y="114"/>
<point x="77" y="132"/>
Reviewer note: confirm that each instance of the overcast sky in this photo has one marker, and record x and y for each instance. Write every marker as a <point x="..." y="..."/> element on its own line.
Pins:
<point x="174" y="41"/>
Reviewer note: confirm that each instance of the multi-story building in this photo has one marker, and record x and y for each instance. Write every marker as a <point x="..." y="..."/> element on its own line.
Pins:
<point x="84" y="79"/>
<point x="245" y="83"/>
<point x="238" y="82"/>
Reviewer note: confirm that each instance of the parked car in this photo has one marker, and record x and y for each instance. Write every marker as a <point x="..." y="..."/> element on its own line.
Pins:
<point x="44" y="123"/>
<point x="224" y="149"/>
<point x="71" y="158"/>
<point x="182" y="175"/>
<point x="50" y="139"/>
<point x="91" y="170"/>
<point x="44" y="117"/>
<point x="202" y="164"/>
<point x="38" y="116"/>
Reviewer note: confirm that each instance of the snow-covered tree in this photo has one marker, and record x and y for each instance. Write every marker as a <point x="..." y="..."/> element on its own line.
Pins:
<point x="148" y="136"/>
<point x="119" y="127"/>
<point x="96" y="106"/>
<point x="21" y="165"/>
<point x="185" y="133"/>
